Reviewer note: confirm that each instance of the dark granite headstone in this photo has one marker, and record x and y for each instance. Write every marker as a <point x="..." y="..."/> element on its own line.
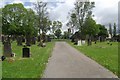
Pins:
<point x="48" y="39"/>
<point x="7" y="50"/>
<point x="26" y="52"/>
<point x="3" y="58"/>
<point x="33" y="40"/>
<point x="23" y="39"/>
<point x="3" y="39"/>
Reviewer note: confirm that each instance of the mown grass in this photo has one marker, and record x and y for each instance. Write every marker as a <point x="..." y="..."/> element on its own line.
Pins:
<point x="0" y="61"/>
<point x="103" y="53"/>
<point x="32" y="67"/>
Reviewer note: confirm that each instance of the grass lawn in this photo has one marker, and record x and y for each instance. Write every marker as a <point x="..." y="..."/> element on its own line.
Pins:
<point x="27" y="67"/>
<point x="102" y="53"/>
<point x="0" y="61"/>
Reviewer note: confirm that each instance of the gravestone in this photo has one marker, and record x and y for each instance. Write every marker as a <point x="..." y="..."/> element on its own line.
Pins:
<point x="33" y="40"/>
<point x="7" y="52"/>
<point x="38" y="39"/>
<point x="3" y="39"/>
<point x="83" y="42"/>
<point x="23" y="39"/>
<point x="26" y="52"/>
<point x="79" y="43"/>
<point x="48" y="39"/>
<point x="3" y="58"/>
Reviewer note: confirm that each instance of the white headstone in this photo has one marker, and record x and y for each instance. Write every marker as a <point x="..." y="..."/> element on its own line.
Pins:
<point x="83" y="41"/>
<point x="79" y="43"/>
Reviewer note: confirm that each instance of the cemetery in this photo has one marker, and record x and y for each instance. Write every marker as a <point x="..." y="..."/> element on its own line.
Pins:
<point x="35" y="46"/>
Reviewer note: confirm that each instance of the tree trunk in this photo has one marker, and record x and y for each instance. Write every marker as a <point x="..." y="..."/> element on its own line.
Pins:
<point x="19" y="40"/>
<point x="28" y="40"/>
<point x="3" y="39"/>
<point x="33" y="40"/>
<point x="89" y="40"/>
<point x="7" y="50"/>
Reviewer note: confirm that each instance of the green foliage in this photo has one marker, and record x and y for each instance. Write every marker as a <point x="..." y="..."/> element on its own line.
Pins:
<point x="43" y="21"/>
<point x="30" y="22"/>
<point x="18" y="20"/>
<point x="56" y="25"/>
<point x="103" y="31"/>
<point x="58" y="33"/>
<point x="12" y="19"/>
<point x="0" y="20"/>
<point x="90" y="27"/>
<point x="66" y="35"/>
<point x="81" y="11"/>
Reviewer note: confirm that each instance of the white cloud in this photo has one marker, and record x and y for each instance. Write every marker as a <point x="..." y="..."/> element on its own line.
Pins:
<point x="17" y="1"/>
<point x="2" y="3"/>
<point x="106" y="11"/>
<point x="61" y="11"/>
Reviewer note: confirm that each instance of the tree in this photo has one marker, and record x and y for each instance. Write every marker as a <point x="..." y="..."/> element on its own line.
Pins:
<point x="72" y="22"/>
<point x="114" y="31"/>
<point x="110" y="30"/>
<point x="82" y="11"/>
<point x="56" y="25"/>
<point x="41" y="9"/>
<point x="103" y="33"/>
<point x="12" y="24"/>
<point x="29" y="26"/>
<point x="58" y="33"/>
<point x="66" y="35"/>
<point x="0" y="21"/>
<point x="90" y="29"/>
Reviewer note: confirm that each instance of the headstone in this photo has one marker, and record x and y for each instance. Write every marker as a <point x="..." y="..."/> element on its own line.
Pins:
<point x="83" y="42"/>
<point x="3" y="58"/>
<point x="3" y="39"/>
<point x="7" y="49"/>
<point x="38" y="39"/>
<point x="79" y="43"/>
<point x="48" y="39"/>
<point x="33" y="40"/>
<point x="23" y="39"/>
<point x="26" y="52"/>
<point x="43" y="45"/>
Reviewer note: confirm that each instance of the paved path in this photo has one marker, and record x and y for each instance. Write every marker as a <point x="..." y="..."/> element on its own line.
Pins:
<point x="67" y="62"/>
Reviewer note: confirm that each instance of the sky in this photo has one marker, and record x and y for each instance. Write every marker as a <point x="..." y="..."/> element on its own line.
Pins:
<point x="105" y="11"/>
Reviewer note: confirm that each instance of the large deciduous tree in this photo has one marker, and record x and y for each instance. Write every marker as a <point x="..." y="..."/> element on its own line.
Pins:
<point x="90" y="29"/>
<point x="82" y="11"/>
<point x="43" y="19"/>
<point x="56" y="25"/>
<point x="103" y="33"/>
<point x="58" y="33"/>
<point x="12" y="24"/>
<point x="29" y="26"/>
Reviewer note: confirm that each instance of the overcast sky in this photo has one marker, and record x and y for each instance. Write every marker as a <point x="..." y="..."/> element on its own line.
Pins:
<point x="105" y="11"/>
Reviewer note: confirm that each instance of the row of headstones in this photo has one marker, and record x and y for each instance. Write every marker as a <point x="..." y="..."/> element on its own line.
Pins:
<point x="25" y="49"/>
<point x="33" y="39"/>
<point x="79" y="42"/>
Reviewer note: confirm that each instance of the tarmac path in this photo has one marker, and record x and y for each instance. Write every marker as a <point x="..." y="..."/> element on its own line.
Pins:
<point x="67" y="62"/>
